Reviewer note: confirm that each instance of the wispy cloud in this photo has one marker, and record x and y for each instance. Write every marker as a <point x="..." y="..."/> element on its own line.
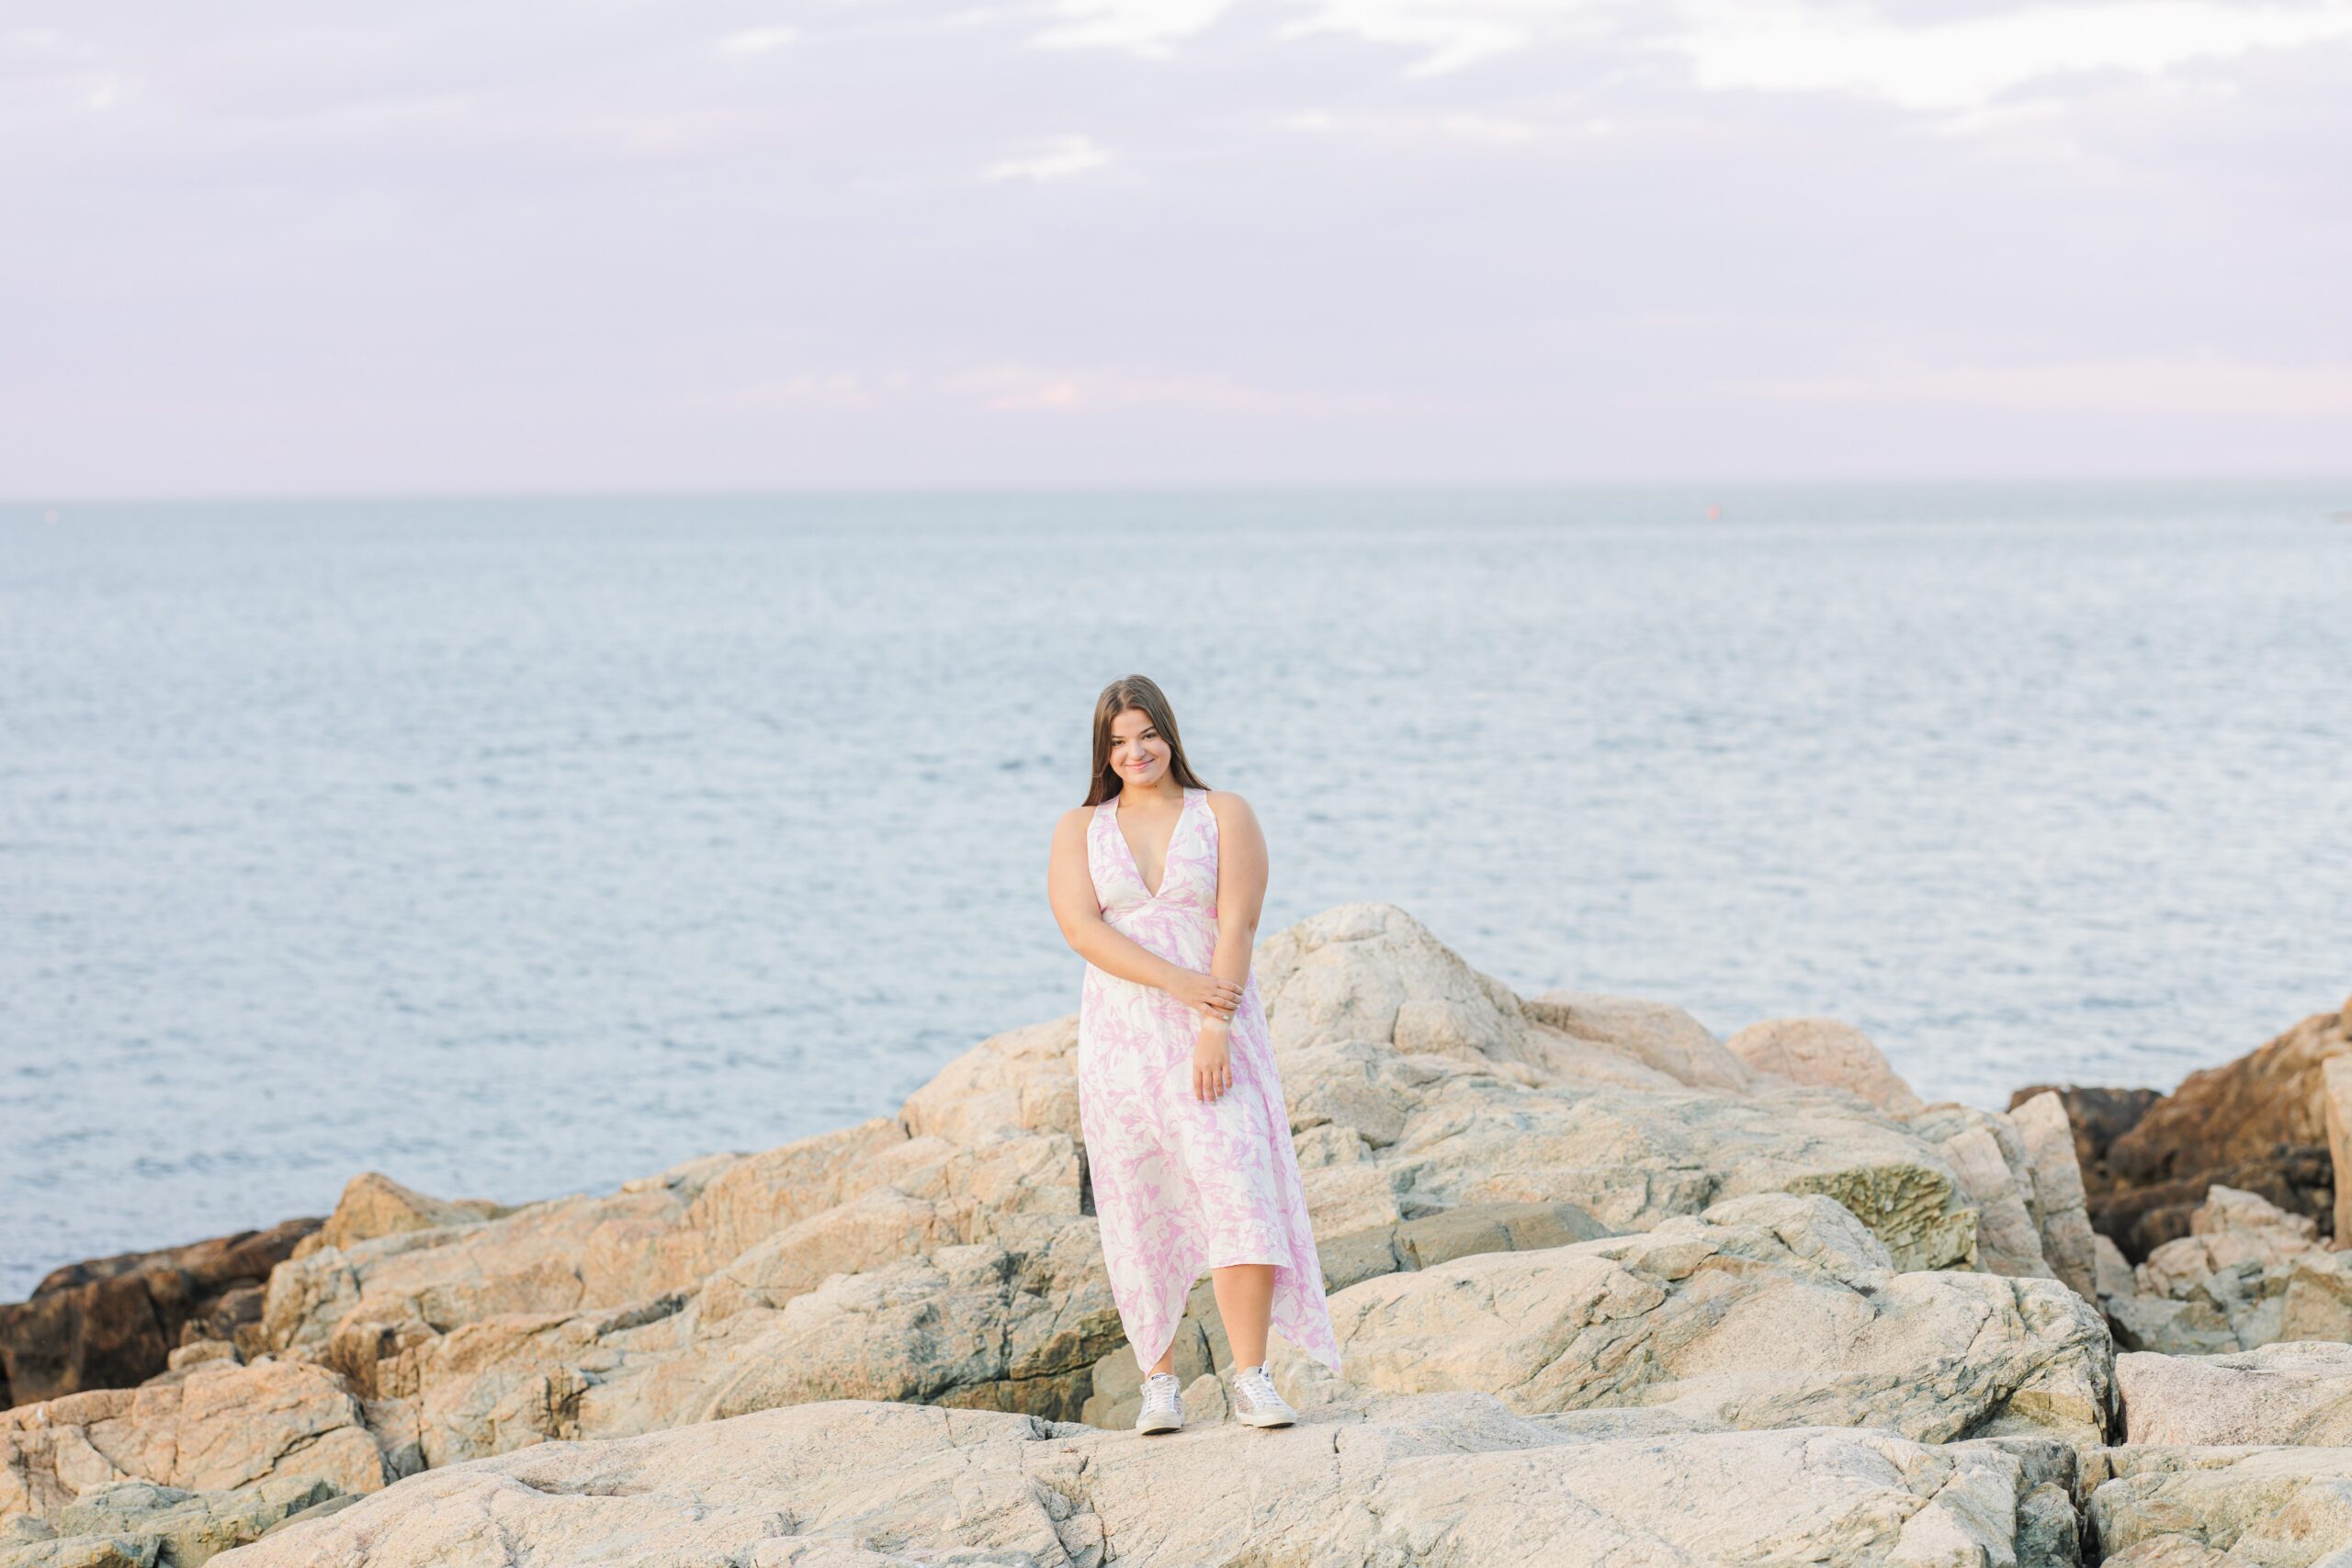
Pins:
<point x="1443" y="36"/>
<point x="754" y="41"/>
<point x="1140" y="26"/>
<point x="1058" y="160"/>
<point x="1969" y="61"/>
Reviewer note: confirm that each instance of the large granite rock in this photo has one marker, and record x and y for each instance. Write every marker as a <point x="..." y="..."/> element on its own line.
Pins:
<point x="881" y="1299"/>
<point x="1826" y="1052"/>
<point x="1766" y="1310"/>
<point x="1657" y="1035"/>
<point x="2061" y="1209"/>
<point x="1370" y="972"/>
<point x="220" y="1427"/>
<point x="1202" y="1352"/>
<point x="949" y="1253"/>
<point x="1996" y="1175"/>
<point x="2232" y="1506"/>
<point x="373" y="1204"/>
<point x="1453" y="1479"/>
<point x="1395" y="1137"/>
<point x="2336" y="1117"/>
<point x="114" y="1321"/>
<point x="774" y="1225"/>
<point x="1424" y="1086"/>
<point x="2290" y="1392"/>
<point x="955" y="1272"/>
<point x="563" y="1253"/>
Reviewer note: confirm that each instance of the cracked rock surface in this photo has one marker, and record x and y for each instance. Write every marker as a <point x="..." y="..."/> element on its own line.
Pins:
<point x="1457" y="1479"/>
<point x="1767" y="1311"/>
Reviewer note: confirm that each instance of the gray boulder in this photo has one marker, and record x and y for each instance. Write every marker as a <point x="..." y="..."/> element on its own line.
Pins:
<point x="138" y="1522"/>
<point x="2247" y="1274"/>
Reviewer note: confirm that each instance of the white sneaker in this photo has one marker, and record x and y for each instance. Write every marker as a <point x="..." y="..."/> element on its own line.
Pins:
<point x="1256" y="1402"/>
<point x="1163" y="1405"/>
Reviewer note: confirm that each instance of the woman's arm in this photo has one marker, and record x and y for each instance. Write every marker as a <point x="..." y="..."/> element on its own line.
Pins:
<point x="1241" y="887"/>
<point x="1069" y="887"/>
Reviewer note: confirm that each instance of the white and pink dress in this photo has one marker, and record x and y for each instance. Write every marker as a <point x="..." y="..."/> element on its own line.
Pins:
<point x="1181" y="1185"/>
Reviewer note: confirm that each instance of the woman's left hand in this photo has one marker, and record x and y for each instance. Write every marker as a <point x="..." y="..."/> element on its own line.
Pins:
<point x="1212" y="1063"/>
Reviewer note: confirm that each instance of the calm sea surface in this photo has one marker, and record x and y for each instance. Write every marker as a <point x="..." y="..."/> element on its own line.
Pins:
<point x="520" y="847"/>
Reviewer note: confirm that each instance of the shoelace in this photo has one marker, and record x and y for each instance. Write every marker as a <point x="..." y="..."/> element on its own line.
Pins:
<point x="1254" y="1383"/>
<point x="1159" y="1392"/>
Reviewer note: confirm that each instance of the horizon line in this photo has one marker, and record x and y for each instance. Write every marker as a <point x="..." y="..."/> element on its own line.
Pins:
<point x="37" y="500"/>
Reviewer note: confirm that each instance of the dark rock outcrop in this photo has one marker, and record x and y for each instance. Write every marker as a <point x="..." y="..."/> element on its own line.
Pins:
<point x="114" y="1321"/>
<point x="2255" y="1124"/>
<point x="2098" y="1117"/>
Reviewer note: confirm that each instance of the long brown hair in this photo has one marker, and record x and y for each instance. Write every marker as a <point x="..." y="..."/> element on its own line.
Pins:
<point x="1134" y="691"/>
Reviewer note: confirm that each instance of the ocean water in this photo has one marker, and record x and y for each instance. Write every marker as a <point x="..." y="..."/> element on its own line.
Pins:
<point x="516" y="847"/>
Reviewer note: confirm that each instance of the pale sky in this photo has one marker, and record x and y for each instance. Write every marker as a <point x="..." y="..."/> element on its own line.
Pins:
<point x="265" y="246"/>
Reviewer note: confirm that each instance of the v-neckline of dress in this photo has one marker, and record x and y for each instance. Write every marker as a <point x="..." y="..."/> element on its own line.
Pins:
<point x="1132" y="864"/>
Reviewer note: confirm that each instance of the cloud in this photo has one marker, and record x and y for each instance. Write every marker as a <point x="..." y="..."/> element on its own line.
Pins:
<point x="1790" y="46"/>
<point x="1446" y="36"/>
<point x="1461" y="128"/>
<point x="758" y="41"/>
<point x="1059" y="160"/>
<point x="1968" y="63"/>
<point x="1139" y="26"/>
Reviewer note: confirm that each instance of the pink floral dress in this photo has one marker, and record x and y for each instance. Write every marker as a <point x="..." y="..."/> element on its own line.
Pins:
<point x="1181" y="1185"/>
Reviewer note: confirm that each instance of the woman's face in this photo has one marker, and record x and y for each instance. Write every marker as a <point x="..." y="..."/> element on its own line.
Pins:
<point x="1138" y="751"/>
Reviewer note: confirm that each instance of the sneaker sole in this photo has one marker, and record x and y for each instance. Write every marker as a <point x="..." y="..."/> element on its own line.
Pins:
<point x="1158" y="1424"/>
<point x="1255" y="1419"/>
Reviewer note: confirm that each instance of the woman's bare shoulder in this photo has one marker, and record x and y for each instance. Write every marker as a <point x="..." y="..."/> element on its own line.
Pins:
<point x="1230" y="806"/>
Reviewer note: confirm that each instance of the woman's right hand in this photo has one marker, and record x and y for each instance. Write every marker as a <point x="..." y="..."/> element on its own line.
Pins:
<point x="1203" y="992"/>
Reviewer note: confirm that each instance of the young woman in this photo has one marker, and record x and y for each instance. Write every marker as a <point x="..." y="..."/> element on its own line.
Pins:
<point x="1156" y="882"/>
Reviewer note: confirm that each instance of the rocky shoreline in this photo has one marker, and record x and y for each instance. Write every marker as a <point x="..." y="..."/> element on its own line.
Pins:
<point x="1609" y="1289"/>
